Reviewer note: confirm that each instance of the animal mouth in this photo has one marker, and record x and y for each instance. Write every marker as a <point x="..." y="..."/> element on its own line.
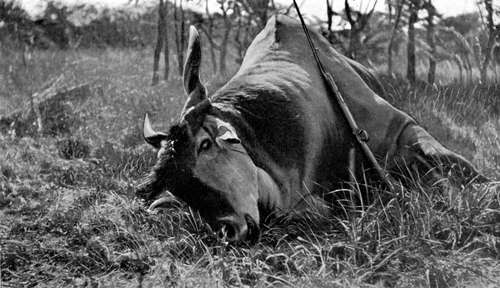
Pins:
<point x="235" y="231"/>
<point x="227" y="231"/>
<point x="253" y="232"/>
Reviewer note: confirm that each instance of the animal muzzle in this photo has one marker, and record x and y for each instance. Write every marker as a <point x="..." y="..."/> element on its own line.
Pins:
<point x="236" y="228"/>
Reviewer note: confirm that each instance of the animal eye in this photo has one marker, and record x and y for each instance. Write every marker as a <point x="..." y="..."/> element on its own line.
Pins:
<point x="205" y="145"/>
<point x="233" y="140"/>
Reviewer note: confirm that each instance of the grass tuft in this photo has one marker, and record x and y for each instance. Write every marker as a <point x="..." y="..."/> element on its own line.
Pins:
<point x="68" y="216"/>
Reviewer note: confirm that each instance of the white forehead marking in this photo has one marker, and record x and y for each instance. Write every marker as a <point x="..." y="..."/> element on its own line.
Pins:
<point x="223" y="127"/>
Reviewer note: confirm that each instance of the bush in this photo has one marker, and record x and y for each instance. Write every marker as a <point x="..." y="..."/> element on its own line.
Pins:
<point x="71" y="148"/>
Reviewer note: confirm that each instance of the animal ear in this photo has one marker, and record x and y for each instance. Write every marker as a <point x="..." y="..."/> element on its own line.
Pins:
<point x="192" y="84"/>
<point x="152" y="137"/>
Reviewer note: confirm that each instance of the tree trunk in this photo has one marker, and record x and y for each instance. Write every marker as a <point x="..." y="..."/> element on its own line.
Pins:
<point x="183" y="39"/>
<point x="180" y="40"/>
<point x="166" y="52"/>
<point x="213" y="57"/>
<point x="460" y="65"/>
<point x="261" y="8"/>
<point x="329" y="16"/>
<point x="354" y="44"/>
<point x="238" y="42"/>
<point x="390" y="47"/>
<point x="159" y="42"/>
<point x="210" y="35"/>
<point x="468" y="67"/>
<point x="225" y="39"/>
<point x="223" y="49"/>
<point x="431" y="76"/>
<point x="491" y="40"/>
<point x="353" y="31"/>
<point x="410" y="72"/>
<point x="358" y="24"/>
<point x="494" y="69"/>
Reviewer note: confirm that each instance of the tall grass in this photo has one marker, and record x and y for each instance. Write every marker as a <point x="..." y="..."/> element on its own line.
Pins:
<point x="463" y="116"/>
<point x="68" y="216"/>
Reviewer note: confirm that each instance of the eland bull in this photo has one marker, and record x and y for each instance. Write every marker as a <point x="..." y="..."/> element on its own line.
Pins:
<point x="273" y="139"/>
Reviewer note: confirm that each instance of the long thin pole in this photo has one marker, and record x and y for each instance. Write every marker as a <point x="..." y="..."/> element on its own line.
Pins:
<point x="360" y="134"/>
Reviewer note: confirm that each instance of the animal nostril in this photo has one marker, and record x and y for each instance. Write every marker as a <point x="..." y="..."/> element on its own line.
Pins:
<point x="228" y="231"/>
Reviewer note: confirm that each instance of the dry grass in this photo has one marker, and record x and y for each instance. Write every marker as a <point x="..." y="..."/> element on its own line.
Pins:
<point x="68" y="221"/>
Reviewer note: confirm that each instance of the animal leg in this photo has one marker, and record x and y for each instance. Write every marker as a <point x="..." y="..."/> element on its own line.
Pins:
<point x="419" y="146"/>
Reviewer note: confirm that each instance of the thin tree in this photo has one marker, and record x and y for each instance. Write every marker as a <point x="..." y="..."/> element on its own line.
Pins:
<point x="414" y="7"/>
<point x="180" y="34"/>
<point x="242" y="33"/>
<point x="160" y="41"/>
<point x="258" y="9"/>
<point x="454" y="43"/>
<point x="250" y="17"/>
<point x="166" y="52"/>
<point x="492" y="34"/>
<point x="358" y="21"/>
<point x="225" y="6"/>
<point x="431" y="41"/>
<point x="397" y="20"/>
<point x="205" y="22"/>
<point x="329" y="16"/>
<point x="209" y="32"/>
